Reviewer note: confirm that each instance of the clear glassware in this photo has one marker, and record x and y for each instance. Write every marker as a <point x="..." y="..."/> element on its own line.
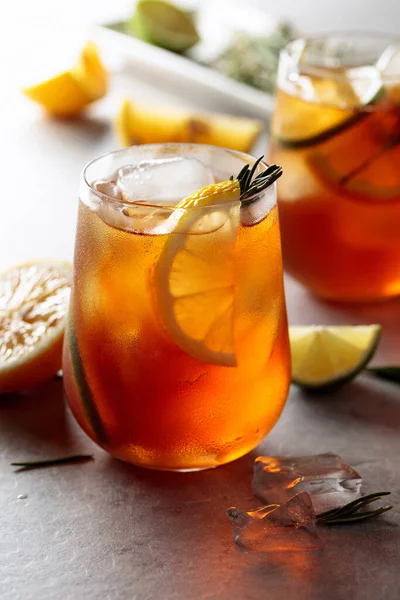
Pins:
<point x="336" y="133"/>
<point x="176" y="352"/>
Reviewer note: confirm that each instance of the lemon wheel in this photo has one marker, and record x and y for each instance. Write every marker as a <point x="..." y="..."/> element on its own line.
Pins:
<point x="336" y="107"/>
<point x="194" y="279"/>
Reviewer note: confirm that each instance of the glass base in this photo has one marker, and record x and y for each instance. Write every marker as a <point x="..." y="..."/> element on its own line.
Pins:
<point x="204" y="464"/>
<point x="166" y="469"/>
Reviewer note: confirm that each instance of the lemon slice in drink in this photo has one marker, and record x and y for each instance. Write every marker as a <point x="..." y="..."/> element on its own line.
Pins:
<point x="335" y="105"/>
<point x="324" y="356"/>
<point x="163" y="24"/>
<point x="33" y="303"/>
<point x="194" y="277"/>
<point x="372" y="172"/>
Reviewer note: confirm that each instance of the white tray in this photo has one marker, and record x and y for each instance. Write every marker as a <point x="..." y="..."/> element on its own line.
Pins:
<point x="215" y="25"/>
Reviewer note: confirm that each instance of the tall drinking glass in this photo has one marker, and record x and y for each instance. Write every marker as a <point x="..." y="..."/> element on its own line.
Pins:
<point x="176" y="352"/>
<point x="336" y="133"/>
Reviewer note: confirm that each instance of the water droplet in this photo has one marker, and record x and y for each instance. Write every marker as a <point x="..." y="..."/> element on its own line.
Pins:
<point x="22" y="497"/>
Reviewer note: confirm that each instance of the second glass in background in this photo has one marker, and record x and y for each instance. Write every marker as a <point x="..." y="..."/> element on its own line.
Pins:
<point x="336" y="133"/>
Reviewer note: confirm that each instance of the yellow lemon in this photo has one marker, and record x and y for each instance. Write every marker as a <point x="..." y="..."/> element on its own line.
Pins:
<point x="136" y="124"/>
<point x="33" y="303"/>
<point x="69" y="93"/>
<point x="194" y="276"/>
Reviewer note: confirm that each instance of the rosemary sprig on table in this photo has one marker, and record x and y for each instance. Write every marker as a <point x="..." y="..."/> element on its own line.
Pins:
<point x="250" y="185"/>
<point x="38" y="464"/>
<point x="349" y="513"/>
<point x="391" y="373"/>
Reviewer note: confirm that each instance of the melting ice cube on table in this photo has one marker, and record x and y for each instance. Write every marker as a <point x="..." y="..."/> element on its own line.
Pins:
<point x="289" y="526"/>
<point x="328" y="480"/>
<point x="163" y="181"/>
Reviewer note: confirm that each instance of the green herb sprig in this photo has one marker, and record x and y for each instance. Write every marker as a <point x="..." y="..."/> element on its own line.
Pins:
<point x="349" y="513"/>
<point x="391" y="373"/>
<point x="51" y="462"/>
<point x="250" y="185"/>
<point x="253" y="59"/>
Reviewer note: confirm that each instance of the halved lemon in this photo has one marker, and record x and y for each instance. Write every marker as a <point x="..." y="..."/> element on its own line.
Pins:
<point x="33" y="303"/>
<point x="194" y="278"/>
<point x="326" y="356"/>
<point x="69" y="93"/>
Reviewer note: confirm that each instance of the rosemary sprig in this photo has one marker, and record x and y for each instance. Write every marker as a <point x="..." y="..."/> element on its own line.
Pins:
<point x="250" y="185"/>
<point x="38" y="464"/>
<point x="349" y="512"/>
<point x="391" y="373"/>
<point x="253" y="59"/>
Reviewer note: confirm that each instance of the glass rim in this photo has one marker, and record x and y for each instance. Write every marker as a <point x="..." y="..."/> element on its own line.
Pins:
<point x="286" y="54"/>
<point x="140" y="203"/>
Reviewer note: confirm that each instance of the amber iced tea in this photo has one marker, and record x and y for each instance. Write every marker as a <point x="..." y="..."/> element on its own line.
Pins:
<point x="176" y="353"/>
<point x="336" y="132"/>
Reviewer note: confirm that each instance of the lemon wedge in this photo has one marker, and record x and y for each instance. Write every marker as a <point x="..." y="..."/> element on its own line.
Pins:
<point x="33" y="303"/>
<point x="194" y="278"/>
<point x="324" y="357"/>
<point x="69" y="93"/>
<point x="137" y="124"/>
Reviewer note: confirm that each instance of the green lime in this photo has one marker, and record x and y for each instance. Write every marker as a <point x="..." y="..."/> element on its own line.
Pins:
<point x="335" y="106"/>
<point x="163" y="24"/>
<point x="324" y="357"/>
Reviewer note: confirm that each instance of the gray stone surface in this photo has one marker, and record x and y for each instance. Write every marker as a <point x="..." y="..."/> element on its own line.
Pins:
<point x="107" y="531"/>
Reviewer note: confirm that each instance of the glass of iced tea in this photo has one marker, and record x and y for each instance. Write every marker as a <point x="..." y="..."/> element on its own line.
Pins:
<point x="176" y="352"/>
<point x="336" y="133"/>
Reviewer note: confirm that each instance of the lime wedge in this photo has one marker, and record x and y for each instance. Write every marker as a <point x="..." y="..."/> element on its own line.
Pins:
<point x="330" y="107"/>
<point x="163" y="24"/>
<point x="324" y="357"/>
